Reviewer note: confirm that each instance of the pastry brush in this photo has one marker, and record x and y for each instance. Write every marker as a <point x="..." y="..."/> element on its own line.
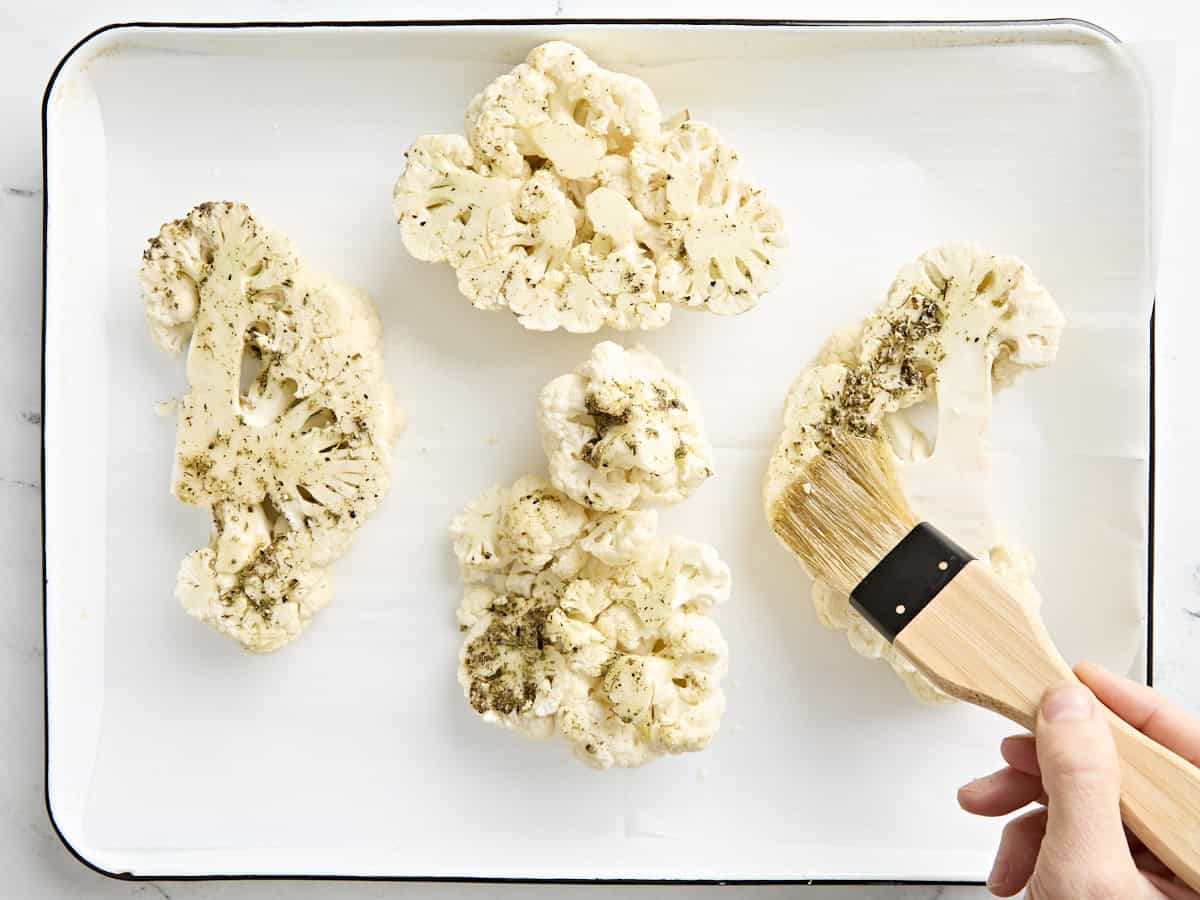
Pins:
<point x="850" y="523"/>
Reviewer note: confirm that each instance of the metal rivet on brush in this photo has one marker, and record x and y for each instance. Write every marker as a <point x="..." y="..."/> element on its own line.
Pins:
<point x="900" y="610"/>
<point x="943" y="565"/>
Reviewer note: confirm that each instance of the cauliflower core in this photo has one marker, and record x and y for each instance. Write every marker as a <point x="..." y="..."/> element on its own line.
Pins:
<point x="287" y="425"/>
<point x="573" y="205"/>
<point x="585" y="624"/>
<point x="623" y="431"/>
<point x="958" y="322"/>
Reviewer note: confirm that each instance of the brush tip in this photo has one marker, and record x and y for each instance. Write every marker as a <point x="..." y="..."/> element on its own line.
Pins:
<point x="845" y="512"/>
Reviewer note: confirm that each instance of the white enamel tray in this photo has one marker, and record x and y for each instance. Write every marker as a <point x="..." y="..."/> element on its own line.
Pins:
<point x="353" y="753"/>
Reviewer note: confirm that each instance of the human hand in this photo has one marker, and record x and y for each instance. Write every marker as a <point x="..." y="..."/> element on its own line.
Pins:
<point x="1076" y="847"/>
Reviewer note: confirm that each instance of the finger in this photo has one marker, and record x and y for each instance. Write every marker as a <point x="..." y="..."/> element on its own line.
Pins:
<point x="1000" y="793"/>
<point x="1145" y="709"/>
<point x="1020" y="752"/>
<point x="1085" y="841"/>
<point x="1017" y="751"/>
<point x="1170" y="888"/>
<point x="1020" y="843"/>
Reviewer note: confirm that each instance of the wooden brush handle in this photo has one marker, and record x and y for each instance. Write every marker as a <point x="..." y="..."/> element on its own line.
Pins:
<point x="979" y="643"/>
<point x="1160" y="800"/>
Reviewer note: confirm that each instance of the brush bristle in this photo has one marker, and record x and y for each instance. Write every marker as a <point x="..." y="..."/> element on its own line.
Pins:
<point x="846" y="513"/>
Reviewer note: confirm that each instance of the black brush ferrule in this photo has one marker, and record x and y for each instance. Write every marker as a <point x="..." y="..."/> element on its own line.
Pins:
<point x="905" y="581"/>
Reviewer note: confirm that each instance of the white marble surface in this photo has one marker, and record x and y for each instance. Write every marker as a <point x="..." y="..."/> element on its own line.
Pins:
<point x="32" y="39"/>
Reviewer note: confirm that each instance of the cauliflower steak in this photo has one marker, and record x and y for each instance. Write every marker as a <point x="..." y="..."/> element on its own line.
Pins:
<point x="287" y="426"/>
<point x="958" y="323"/>
<point x="580" y="620"/>
<point x="586" y="624"/>
<point x="572" y="204"/>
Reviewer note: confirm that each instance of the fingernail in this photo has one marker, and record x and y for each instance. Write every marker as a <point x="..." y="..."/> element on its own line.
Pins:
<point x="1067" y="703"/>
<point x="1000" y="870"/>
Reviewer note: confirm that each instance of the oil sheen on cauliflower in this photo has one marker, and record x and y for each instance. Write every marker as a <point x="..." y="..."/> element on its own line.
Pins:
<point x="622" y="431"/>
<point x="588" y="625"/>
<point x="287" y="426"/>
<point x="958" y="323"/>
<point x="573" y="205"/>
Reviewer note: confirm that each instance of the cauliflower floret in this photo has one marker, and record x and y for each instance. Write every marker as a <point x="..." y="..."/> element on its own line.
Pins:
<point x="571" y="204"/>
<point x="538" y="524"/>
<point x="598" y="737"/>
<point x="720" y="237"/>
<point x="688" y="702"/>
<point x="958" y="323"/>
<point x="1028" y="333"/>
<point x="615" y="540"/>
<point x="623" y="431"/>
<point x="292" y="464"/>
<point x="477" y="600"/>
<point x="263" y="601"/>
<point x="606" y="639"/>
<point x="516" y="530"/>
<point x="607" y="280"/>
<point x="665" y="685"/>
<point x="561" y="106"/>
<point x="476" y="534"/>
<point x="669" y="699"/>
<point x="506" y="673"/>
<point x="448" y="212"/>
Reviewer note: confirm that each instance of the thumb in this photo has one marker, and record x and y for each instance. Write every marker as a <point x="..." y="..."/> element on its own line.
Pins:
<point x="1084" y="852"/>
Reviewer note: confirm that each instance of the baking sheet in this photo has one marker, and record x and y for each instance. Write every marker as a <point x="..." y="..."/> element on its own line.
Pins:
<point x="353" y="753"/>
